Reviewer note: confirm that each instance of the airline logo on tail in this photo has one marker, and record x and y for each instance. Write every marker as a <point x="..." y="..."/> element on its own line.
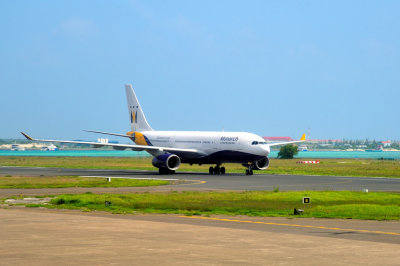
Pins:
<point x="134" y="110"/>
<point x="134" y="116"/>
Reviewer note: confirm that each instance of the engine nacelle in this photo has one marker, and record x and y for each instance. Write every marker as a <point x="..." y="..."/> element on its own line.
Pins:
<point x="260" y="164"/>
<point x="168" y="161"/>
<point x="119" y="148"/>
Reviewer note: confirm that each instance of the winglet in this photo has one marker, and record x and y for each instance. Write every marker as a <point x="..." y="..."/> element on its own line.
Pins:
<point x="303" y="137"/>
<point x="26" y="136"/>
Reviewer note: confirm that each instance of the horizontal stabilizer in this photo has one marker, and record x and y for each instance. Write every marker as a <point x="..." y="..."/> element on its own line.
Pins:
<point x="26" y="136"/>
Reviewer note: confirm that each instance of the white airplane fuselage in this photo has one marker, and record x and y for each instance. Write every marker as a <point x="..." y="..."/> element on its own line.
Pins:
<point x="213" y="147"/>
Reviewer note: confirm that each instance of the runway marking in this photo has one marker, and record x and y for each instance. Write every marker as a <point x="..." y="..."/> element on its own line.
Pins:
<point x="338" y="182"/>
<point x="25" y="167"/>
<point x="138" y="178"/>
<point x="291" y="225"/>
<point x="195" y="182"/>
<point x="396" y="179"/>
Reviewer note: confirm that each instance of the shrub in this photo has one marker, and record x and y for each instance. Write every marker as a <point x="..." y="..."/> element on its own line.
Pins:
<point x="288" y="151"/>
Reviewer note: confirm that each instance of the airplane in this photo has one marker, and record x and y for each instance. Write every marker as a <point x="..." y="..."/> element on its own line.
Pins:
<point x="171" y="148"/>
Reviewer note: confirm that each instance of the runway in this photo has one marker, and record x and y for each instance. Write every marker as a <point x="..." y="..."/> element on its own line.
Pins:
<point x="227" y="181"/>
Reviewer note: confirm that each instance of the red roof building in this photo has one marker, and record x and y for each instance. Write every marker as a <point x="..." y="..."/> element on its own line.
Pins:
<point x="387" y="143"/>
<point x="278" y="138"/>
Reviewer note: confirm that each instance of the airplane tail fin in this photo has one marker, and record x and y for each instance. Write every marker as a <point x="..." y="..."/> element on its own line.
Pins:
<point x="138" y="120"/>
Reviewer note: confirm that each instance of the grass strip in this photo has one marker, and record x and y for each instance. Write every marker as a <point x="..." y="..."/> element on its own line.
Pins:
<point x="335" y="167"/>
<point x="73" y="181"/>
<point x="327" y="204"/>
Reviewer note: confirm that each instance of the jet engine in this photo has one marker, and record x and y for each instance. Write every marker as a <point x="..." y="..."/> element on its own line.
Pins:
<point x="167" y="161"/>
<point x="261" y="164"/>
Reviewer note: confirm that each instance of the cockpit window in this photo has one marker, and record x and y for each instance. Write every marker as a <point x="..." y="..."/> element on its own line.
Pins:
<point x="258" y="143"/>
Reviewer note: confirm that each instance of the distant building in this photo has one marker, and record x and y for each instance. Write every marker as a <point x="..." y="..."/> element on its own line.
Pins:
<point x="387" y="143"/>
<point x="320" y="141"/>
<point x="316" y="141"/>
<point x="278" y="139"/>
<point x="102" y="140"/>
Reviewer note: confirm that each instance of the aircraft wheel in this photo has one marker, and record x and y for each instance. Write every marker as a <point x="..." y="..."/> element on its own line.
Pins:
<point x="217" y="170"/>
<point x="164" y="171"/>
<point x="211" y="170"/>
<point x="222" y="170"/>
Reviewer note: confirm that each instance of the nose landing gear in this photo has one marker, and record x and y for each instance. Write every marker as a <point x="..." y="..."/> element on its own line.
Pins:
<point x="249" y="171"/>
<point x="217" y="170"/>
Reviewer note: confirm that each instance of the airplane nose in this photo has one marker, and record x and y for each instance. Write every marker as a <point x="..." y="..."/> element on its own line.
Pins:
<point x="267" y="150"/>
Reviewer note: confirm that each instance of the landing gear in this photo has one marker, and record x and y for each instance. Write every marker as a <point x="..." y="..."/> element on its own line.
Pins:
<point x="165" y="171"/>
<point x="211" y="170"/>
<point x="249" y="172"/>
<point x="216" y="170"/>
<point x="222" y="170"/>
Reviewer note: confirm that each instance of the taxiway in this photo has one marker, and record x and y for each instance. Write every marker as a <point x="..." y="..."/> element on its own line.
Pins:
<point x="228" y="181"/>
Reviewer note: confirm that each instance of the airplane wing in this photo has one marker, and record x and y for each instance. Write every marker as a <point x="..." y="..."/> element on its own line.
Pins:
<point x="133" y="147"/>
<point x="108" y="133"/>
<point x="303" y="138"/>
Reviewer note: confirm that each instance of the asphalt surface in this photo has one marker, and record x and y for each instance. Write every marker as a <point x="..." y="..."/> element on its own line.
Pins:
<point x="227" y="181"/>
<point x="44" y="237"/>
<point x="64" y="237"/>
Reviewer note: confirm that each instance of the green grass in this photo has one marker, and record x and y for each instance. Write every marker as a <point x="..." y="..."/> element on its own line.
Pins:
<point x="329" y="204"/>
<point x="70" y="181"/>
<point x="336" y="167"/>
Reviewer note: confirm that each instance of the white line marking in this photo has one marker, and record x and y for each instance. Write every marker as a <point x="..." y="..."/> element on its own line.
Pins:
<point x="139" y="178"/>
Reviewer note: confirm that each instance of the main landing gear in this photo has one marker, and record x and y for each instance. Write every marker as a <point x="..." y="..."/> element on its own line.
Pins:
<point x="165" y="171"/>
<point x="249" y="171"/>
<point x="217" y="170"/>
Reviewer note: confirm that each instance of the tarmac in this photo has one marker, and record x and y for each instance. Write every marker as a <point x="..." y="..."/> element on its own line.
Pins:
<point x="56" y="237"/>
<point x="229" y="181"/>
<point x="65" y="237"/>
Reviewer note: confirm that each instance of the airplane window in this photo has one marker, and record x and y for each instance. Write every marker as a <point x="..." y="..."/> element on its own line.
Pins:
<point x="254" y="143"/>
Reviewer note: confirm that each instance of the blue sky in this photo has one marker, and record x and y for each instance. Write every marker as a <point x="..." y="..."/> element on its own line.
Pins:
<point x="274" y="68"/>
